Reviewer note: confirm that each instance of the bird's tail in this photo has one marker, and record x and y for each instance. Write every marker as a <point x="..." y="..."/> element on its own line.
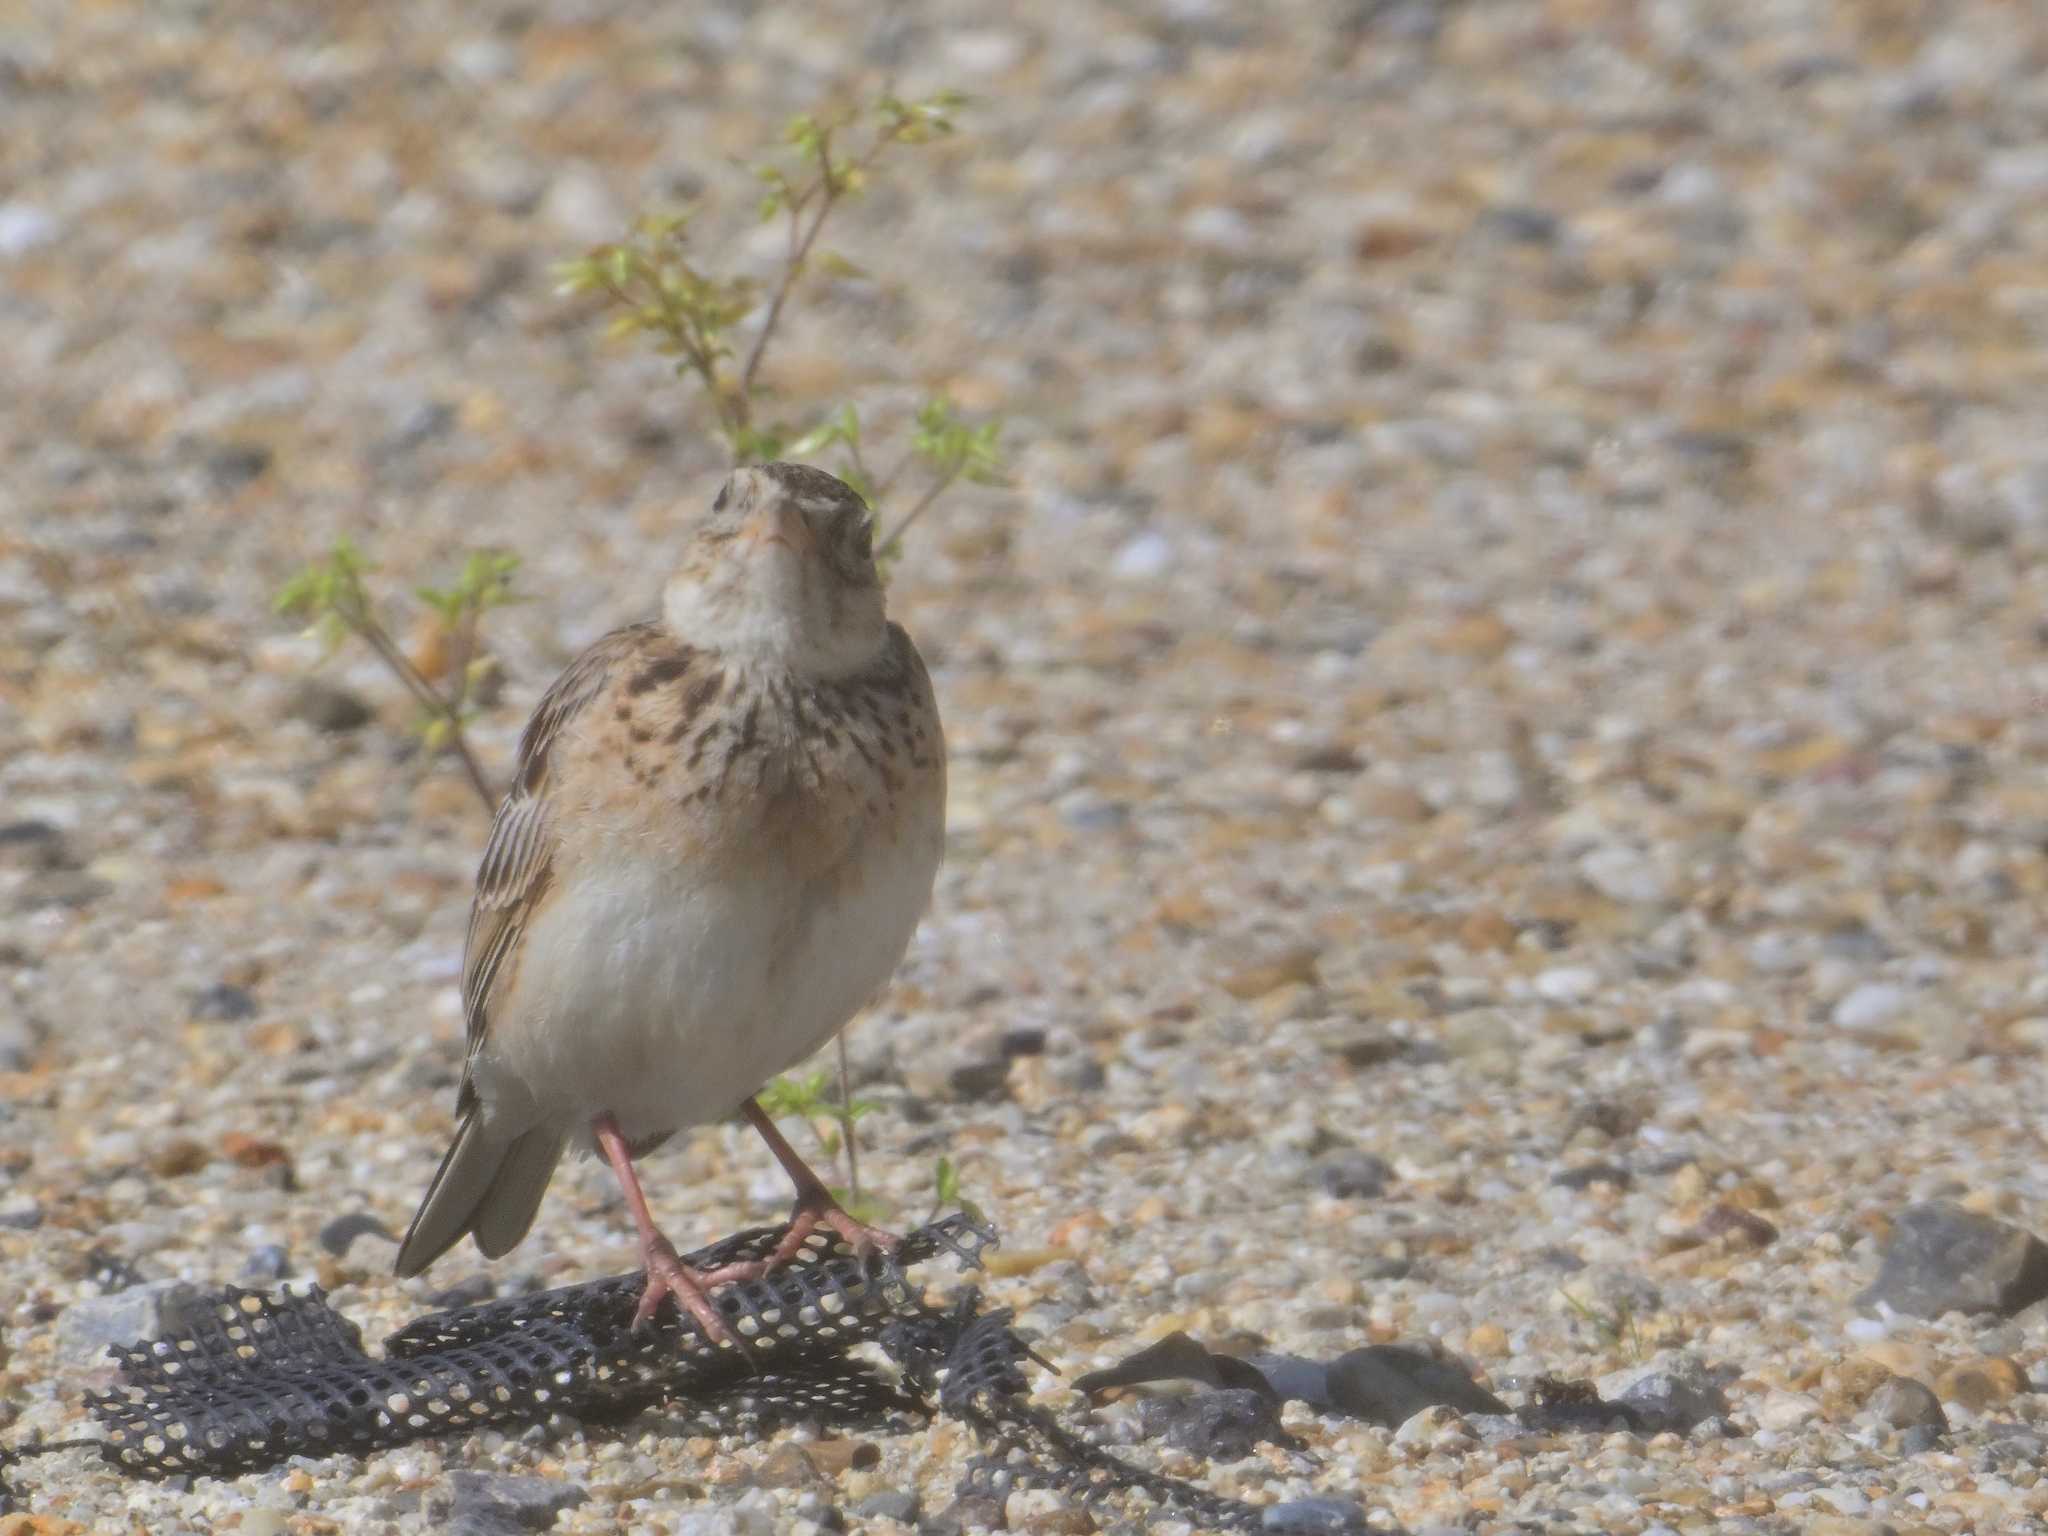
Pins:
<point x="486" y="1184"/>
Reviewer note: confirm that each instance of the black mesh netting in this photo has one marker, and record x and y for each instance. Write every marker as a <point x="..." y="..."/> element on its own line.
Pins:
<point x="258" y="1379"/>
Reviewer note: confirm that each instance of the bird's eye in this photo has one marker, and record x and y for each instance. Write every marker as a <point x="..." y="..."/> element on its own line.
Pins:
<point x="724" y="496"/>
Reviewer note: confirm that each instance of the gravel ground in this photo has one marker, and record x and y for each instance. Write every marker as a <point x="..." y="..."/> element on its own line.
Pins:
<point x="1498" y="738"/>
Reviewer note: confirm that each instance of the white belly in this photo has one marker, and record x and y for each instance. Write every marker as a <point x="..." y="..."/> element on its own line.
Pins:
<point x="666" y="998"/>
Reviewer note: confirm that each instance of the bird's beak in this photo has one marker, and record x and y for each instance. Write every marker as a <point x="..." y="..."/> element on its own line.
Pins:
<point x="780" y="522"/>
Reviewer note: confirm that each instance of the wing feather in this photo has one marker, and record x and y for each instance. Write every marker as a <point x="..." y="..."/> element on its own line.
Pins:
<point x="518" y="858"/>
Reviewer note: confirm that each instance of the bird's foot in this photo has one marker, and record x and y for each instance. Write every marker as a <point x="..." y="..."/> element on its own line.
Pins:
<point x="668" y="1275"/>
<point x="814" y="1208"/>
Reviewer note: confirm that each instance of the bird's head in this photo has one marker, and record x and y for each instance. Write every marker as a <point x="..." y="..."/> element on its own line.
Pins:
<point x="781" y="571"/>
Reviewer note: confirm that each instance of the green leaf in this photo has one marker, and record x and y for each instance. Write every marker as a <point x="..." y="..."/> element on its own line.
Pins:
<point x="838" y="266"/>
<point x="841" y="427"/>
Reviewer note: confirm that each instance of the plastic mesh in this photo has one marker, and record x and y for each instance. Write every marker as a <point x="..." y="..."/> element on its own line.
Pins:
<point x="257" y="1379"/>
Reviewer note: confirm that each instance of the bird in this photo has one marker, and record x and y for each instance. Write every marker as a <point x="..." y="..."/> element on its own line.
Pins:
<point x="723" y="828"/>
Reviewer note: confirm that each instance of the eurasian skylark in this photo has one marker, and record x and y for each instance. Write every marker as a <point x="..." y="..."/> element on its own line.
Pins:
<point x="724" y="827"/>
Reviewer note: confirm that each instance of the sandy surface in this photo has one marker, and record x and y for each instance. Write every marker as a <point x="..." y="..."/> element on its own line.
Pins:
<point x="1517" y="643"/>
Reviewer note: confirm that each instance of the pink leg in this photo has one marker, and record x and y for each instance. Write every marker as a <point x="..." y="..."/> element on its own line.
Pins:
<point x="667" y="1274"/>
<point x="814" y="1202"/>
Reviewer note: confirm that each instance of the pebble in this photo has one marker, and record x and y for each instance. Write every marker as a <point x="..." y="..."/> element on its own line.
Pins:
<point x="1786" y="1410"/>
<point x="328" y="707"/>
<point x="1905" y="1404"/>
<point x="491" y="1503"/>
<point x="1943" y="1258"/>
<point x="1567" y="984"/>
<point x="1872" y="1006"/>
<point x="1313" y="1517"/>
<point x="223" y="1004"/>
<point x="141" y="1312"/>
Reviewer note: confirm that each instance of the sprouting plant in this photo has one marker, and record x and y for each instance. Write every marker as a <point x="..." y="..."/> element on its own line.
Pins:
<point x="331" y="592"/>
<point x="658" y="290"/>
<point x="831" y="1120"/>
<point x="1615" y="1325"/>
<point x="946" y="1193"/>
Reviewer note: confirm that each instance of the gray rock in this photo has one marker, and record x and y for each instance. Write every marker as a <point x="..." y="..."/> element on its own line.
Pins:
<point x="1920" y="1439"/>
<point x="890" y="1504"/>
<point x="147" y="1311"/>
<point x="1225" y="1425"/>
<point x="1674" y="1396"/>
<point x="327" y="707"/>
<point x="1903" y="1403"/>
<point x="962" y="1515"/>
<point x="22" y="1215"/>
<point x="491" y="1504"/>
<point x="980" y="1080"/>
<point x="61" y="888"/>
<point x="1871" y="1006"/>
<point x="21" y="1041"/>
<point x="273" y="1261"/>
<point x="1312" y="1517"/>
<point x="35" y="845"/>
<point x="1353" y="1175"/>
<point x="1388" y="1384"/>
<point x="223" y="1004"/>
<point x="1942" y="1258"/>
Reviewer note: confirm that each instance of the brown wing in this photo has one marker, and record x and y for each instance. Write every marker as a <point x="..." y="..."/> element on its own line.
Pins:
<point x="518" y="857"/>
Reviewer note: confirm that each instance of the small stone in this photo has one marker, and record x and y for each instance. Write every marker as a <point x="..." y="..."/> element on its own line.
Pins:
<point x="964" y="1515"/>
<point x="1313" y="1517"/>
<point x="979" y="1080"/>
<point x="1223" y="1425"/>
<point x="1142" y="558"/>
<point x="1070" y="1520"/>
<point x="1488" y="1340"/>
<point x="21" y="1041"/>
<point x="1294" y="967"/>
<point x="1943" y="1258"/>
<point x="223" y="1004"/>
<point x="895" y="1504"/>
<point x="265" y="1522"/>
<point x="35" y="845"/>
<point x="21" y="1215"/>
<point x="1567" y="983"/>
<point x="61" y="888"/>
<point x="1387" y="1384"/>
<point x="1433" y="1429"/>
<point x="789" y="1466"/>
<point x="270" y="1262"/>
<point x="1904" y="1404"/>
<point x="1871" y="1006"/>
<point x="1592" y="1173"/>
<point x="1980" y="1383"/>
<point x="1353" y="1175"/>
<point x="490" y="1503"/>
<point x="1329" y="757"/>
<point x="327" y="707"/>
<point x="838" y="1456"/>
<point x="1624" y="874"/>
<point x="1676" y="1394"/>
<point x="1786" y="1410"/>
<point x="89" y="1328"/>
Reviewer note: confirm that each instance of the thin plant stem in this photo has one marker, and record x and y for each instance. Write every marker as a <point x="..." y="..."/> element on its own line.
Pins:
<point x="924" y="502"/>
